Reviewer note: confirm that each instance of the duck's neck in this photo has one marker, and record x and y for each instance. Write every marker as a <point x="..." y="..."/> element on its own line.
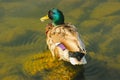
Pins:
<point x="55" y="25"/>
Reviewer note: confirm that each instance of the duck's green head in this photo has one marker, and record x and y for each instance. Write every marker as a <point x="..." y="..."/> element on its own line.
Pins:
<point x="55" y="15"/>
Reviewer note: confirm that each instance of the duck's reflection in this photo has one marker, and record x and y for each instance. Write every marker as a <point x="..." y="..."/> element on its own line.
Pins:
<point x="80" y="75"/>
<point x="78" y="69"/>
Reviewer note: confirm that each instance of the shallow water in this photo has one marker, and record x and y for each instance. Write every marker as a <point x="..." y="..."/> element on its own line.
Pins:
<point x="11" y="68"/>
<point x="99" y="70"/>
<point x="22" y="35"/>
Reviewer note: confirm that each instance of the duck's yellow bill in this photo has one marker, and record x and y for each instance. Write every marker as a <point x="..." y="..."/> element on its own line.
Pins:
<point x="44" y="18"/>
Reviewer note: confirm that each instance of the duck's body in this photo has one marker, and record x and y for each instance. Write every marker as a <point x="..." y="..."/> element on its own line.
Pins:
<point x="64" y="42"/>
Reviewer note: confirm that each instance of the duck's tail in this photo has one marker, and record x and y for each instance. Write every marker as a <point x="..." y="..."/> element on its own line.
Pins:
<point x="77" y="58"/>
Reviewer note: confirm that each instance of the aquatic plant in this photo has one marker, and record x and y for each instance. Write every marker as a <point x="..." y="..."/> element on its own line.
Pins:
<point x="43" y="65"/>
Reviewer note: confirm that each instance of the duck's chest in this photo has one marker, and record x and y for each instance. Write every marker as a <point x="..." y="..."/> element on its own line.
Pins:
<point x="56" y="34"/>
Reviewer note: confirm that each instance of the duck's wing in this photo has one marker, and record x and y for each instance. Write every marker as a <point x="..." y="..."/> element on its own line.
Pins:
<point x="72" y="40"/>
<point x="68" y="36"/>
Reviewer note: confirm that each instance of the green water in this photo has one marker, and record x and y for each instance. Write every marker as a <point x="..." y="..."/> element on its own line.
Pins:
<point x="23" y="35"/>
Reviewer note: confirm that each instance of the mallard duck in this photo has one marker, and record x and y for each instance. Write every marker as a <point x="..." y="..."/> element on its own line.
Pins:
<point x="63" y="39"/>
